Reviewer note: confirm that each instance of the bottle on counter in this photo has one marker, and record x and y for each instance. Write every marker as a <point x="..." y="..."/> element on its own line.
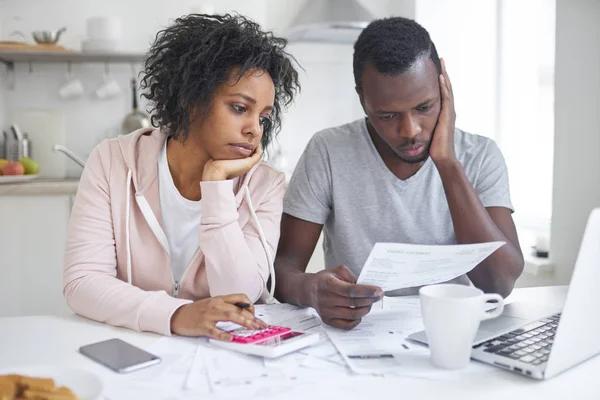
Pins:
<point x="25" y="146"/>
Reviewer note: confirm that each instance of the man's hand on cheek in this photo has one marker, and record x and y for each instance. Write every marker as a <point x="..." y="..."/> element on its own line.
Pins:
<point x="442" y="145"/>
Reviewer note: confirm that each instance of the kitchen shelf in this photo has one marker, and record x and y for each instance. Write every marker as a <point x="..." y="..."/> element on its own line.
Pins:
<point x="9" y="57"/>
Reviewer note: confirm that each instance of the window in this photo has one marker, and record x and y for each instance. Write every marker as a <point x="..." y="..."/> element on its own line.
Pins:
<point x="500" y="58"/>
<point x="526" y="123"/>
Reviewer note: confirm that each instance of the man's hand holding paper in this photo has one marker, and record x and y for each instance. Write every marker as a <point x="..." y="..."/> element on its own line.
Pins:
<point x="339" y="300"/>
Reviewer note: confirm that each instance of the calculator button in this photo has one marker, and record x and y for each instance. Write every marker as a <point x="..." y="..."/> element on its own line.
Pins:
<point x="248" y="336"/>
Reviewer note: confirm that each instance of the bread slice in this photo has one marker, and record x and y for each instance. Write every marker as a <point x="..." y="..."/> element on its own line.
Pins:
<point x="8" y="388"/>
<point x="56" y="395"/>
<point x="19" y="387"/>
<point x="37" y="384"/>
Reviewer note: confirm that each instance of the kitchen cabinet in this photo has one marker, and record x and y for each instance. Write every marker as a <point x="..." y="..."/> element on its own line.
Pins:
<point x="32" y="238"/>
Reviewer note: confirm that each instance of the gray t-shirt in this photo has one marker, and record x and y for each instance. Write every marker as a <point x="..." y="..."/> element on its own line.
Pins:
<point x="342" y="182"/>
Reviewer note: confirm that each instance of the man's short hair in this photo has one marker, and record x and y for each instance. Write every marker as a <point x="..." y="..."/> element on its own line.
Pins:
<point x="392" y="46"/>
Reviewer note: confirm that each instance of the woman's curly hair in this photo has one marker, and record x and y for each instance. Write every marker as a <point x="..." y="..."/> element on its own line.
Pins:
<point x="190" y="58"/>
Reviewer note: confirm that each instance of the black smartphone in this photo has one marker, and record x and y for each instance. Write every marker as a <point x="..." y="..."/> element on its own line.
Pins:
<point x="119" y="356"/>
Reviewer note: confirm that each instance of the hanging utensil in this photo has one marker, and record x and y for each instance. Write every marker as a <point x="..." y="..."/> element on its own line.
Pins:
<point x="136" y="119"/>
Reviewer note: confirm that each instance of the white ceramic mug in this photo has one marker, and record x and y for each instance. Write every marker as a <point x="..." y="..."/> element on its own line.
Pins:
<point x="104" y="27"/>
<point x="451" y="315"/>
<point x="109" y="88"/>
<point x="72" y="88"/>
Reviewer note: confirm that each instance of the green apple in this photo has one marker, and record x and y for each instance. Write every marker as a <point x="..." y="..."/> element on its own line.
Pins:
<point x="31" y="167"/>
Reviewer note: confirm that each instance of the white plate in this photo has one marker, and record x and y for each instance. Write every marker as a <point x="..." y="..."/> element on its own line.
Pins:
<point x="17" y="178"/>
<point x="84" y="384"/>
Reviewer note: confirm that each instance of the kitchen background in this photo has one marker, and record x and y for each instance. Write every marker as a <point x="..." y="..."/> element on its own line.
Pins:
<point x="525" y="73"/>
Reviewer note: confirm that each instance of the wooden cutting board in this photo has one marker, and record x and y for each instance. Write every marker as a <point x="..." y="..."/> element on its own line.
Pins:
<point x="22" y="46"/>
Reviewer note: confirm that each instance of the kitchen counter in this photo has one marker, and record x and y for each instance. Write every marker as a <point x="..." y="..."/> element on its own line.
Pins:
<point x="41" y="187"/>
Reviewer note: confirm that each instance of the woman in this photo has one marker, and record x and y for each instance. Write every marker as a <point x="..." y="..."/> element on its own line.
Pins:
<point x="173" y="226"/>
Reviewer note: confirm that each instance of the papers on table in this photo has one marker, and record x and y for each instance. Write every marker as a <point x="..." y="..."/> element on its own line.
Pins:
<point x="232" y="375"/>
<point x="296" y="318"/>
<point x="194" y="369"/>
<point x="320" y="357"/>
<point x="378" y="344"/>
<point x="394" y="266"/>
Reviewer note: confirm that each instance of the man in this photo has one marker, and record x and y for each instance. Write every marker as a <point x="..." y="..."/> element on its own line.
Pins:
<point x="403" y="174"/>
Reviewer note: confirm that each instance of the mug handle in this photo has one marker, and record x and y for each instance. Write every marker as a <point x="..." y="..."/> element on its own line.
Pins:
<point x="496" y="311"/>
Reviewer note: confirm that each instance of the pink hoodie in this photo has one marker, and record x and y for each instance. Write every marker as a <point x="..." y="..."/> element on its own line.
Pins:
<point x="117" y="267"/>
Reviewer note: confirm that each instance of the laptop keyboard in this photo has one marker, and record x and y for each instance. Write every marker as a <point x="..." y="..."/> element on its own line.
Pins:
<point x="530" y="344"/>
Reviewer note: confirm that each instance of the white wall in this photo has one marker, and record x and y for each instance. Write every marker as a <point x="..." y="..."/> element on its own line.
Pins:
<point x="526" y="108"/>
<point x="577" y="124"/>
<point x="470" y="50"/>
<point x="327" y="99"/>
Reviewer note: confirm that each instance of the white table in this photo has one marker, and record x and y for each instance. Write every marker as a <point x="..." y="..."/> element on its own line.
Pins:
<point x="55" y="340"/>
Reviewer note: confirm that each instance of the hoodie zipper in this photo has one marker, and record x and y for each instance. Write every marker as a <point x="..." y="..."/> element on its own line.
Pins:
<point x="145" y="208"/>
<point x="177" y="284"/>
<point x="155" y="226"/>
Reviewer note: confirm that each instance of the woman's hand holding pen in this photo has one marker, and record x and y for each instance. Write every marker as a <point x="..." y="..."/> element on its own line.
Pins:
<point x="200" y="317"/>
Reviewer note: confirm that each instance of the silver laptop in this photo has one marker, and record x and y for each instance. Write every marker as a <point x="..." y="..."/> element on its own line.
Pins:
<point x="542" y="342"/>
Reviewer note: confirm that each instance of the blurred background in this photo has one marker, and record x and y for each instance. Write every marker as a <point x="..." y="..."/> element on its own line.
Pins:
<point x="526" y="73"/>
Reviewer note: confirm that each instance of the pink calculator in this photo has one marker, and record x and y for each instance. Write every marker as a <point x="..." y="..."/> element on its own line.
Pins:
<point x="275" y="341"/>
<point x="248" y="336"/>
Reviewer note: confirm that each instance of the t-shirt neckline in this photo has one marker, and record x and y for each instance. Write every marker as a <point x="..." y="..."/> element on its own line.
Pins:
<point x="379" y="160"/>
<point x="191" y="204"/>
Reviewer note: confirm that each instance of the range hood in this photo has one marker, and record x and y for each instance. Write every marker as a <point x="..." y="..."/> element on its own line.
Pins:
<point x="329" y="21"/>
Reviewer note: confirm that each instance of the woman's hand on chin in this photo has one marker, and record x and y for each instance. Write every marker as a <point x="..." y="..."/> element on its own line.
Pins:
<point x="220" y="170"/>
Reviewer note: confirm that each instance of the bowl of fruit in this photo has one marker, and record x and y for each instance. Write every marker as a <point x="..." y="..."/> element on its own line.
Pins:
<point x="18" y="171"/>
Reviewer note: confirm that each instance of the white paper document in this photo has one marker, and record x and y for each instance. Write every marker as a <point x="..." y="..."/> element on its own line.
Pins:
<point x="296" y="318"/>
<point x="231" y="375"/>
<point x="323" y="356"/>
<point x="394" y="266"/>
<point x="378" y="344"/>
<point x="408" y="304"/>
